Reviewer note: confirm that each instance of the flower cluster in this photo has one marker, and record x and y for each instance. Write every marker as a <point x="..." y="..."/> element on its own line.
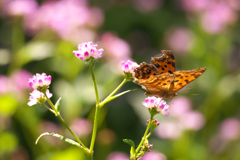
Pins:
<point x="37" y="97"/>
<point x="156" y="105"/>
<point x="215" y="16"/>
<point x="128" y="67"/>
<point x="52" y="15"/>
<point x="154" y="123"/>
<point x="87" y="50"/>
<point x="183" y="117"/>
<point x="40" y="83"/>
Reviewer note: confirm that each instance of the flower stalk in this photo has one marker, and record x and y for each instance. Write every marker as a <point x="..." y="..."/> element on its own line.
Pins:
<point x="96" y="113"/>
<point x="65" y="124"/>
<point x="145" y="135"/>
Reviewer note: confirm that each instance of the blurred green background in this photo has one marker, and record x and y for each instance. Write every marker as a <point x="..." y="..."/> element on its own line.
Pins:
<point x="39" y="36"/>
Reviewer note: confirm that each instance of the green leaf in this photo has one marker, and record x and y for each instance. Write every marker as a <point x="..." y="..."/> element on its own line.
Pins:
<point x="131" y="143"/>
<point x="57" y="105"/>
<point x="70" y="141"/>
<point x="116" y="96"/>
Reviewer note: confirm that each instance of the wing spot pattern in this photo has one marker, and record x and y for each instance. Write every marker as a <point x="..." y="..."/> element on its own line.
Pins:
<point x="148" y="71"/>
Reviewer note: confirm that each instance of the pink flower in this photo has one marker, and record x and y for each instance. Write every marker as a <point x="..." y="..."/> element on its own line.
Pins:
<point x="19" y="7"/>
<point x="153" y="155"/>
<point x="5" y="87"/>
<point x="158" y="104"/>
<point x="169" y="130"/>
<point x="230" y="129"/>
<point x="195" y="5"/>
<point x="19" y="78"/>
<point x="192" y="120"/>
<point x="117" y="49"/>
<point x="117" y="156"/>
<point x="39" y="81"/>
<point x="87" y="50"/>
<point x="217" y="17"/>
<point x="38" y="97"/>
<point x="183" y="118"/>
<point x="129" y="66"/>
<point x="180" y="40"/>
<point x="180" y="106"/>
<point x="81" y="127"/>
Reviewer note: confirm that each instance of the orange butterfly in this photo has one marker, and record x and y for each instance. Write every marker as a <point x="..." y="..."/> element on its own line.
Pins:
<point x="160" y="78"/>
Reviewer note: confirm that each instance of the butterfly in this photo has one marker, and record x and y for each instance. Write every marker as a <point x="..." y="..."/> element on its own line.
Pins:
<point x="160" y="78"/>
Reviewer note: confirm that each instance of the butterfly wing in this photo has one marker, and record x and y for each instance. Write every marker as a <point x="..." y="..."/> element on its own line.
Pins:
<point x="158" y="85"/>
<point x="144" y="71"/>
<point x="182" y="78"/>
<point x="165" y="63"/>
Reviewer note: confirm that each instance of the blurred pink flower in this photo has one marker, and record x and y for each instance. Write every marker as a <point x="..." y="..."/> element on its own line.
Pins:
<point x="217" y="17"/>
<point x="65" y="17"/>
<point x="230" y="129"/>
<point x="19" y="7"/>
<point x="4" y="84"/>
<point x="169" y="130"/>
<point x="192" y="120"/>
<point x="235" y="4"/>
<point x="117" y="49"/>
<point x="81" y="127"/>
<point x="147" y="5"/>
<point x="183" y="117"/>
<point x="15" y="83"/>
<point x="180" y="40"/>
<point x="195" y="5"/>
<point x="19" y="79"/>
<point x="96" y="17"/>
<point x="154" y="155"/>
<point x="117" y="156"/>
<point x="179" y="106"/>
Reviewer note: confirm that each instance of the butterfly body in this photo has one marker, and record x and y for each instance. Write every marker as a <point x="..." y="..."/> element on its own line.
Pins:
<point x="160" y="78"/>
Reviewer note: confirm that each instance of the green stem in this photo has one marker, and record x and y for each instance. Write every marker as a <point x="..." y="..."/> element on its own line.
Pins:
<point x="49" y="108"/>
<point x="145" y="135"/>
<point x="65" y="124"/>
<point x="106" y="99"/>
<point x="96" y="114"/>
<point x="94" y="83"/>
